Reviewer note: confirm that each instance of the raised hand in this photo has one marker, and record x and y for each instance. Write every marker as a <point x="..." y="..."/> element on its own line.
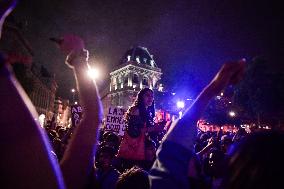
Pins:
<point x="230" y="73"/>
<point x="77" y="57"/>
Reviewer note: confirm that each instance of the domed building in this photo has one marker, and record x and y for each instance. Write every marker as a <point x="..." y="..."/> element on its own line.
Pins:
<point x="137" y="70"/>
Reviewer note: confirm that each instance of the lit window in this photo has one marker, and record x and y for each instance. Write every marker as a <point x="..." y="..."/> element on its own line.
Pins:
<point x="114" y="81"/>
<point x="145" y="60"/>
<point x="161" y="88"/>
<point x="138" y="59"/>
<point x="152" y="63"/>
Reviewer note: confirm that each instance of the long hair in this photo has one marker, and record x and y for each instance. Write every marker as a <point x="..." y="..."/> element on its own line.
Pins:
<point x="148" y="114"/>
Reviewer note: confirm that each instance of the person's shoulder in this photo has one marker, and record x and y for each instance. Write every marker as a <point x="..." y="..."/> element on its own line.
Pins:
<point x="134" y="110"/>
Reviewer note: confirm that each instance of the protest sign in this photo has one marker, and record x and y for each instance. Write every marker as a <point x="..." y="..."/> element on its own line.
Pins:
<point x="76" y="114"/>
<point x="114" y="121"/>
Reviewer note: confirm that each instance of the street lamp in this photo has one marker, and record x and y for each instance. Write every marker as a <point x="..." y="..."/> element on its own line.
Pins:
<point x="180" y="114"/>
<point x="180" y="105"/>
<point x="93" y="73"/>
<point x="232" y="114"/>
<point x="73" y="94"/>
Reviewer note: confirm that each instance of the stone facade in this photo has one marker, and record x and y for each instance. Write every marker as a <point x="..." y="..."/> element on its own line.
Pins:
<point x="136" y="71"/>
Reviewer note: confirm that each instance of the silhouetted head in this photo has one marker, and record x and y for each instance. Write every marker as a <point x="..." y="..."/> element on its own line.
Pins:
<point x="257" y="162"/>
<point x="135" y="178"/>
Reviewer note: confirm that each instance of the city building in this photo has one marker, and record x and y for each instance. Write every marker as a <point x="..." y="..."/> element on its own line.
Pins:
<point x="39" y="85"/>
<point x="62" y="112"/>
<point x="137" y="70"/>
<point x="37" y="82"/>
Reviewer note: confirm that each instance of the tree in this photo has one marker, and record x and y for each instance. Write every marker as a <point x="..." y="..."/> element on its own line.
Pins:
<point x="260" y="95"/>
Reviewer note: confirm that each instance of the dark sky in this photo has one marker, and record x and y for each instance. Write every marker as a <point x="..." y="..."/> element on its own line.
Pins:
<point x="189" y="39"/>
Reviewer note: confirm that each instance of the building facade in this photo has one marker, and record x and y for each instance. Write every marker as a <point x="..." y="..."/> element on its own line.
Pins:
<point x="39" y="85"/>
<point x="37" y="82"/>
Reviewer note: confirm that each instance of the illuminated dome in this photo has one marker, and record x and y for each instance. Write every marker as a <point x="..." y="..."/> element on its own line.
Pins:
<point x="139" y="55"/>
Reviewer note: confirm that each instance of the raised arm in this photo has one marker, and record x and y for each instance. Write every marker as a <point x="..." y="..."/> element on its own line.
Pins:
<point x="170" y="168"/>
<point x="26" y="160"/>
<point x="78" y="159"/>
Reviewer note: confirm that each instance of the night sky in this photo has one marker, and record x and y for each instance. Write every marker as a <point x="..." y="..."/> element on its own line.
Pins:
<point x="189" y="39"/>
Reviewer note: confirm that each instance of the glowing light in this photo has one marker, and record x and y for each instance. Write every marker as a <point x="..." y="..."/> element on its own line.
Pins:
<point x="73" y="90"/>
<point x="222" y="94"/>
<point x="173" y="93"/>
<point x="75" y="102"/>
<point x="180" y="114"/>
<point x="180" y="104"/>
<point x="160" y="88"/>
<point x="152" y="63"/>
<point x="232" y="114"/>
<point x="137" y="59"/>
<point x="93" y="73"/>
<point x="41" y="119"/>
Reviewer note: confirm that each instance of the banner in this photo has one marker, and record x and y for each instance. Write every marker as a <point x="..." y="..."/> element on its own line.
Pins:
<point x="76" y="114"/>
<point x="114" y="121"/>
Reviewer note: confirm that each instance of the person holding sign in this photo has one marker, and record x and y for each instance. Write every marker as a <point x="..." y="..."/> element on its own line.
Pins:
<point x="139" y="119"/>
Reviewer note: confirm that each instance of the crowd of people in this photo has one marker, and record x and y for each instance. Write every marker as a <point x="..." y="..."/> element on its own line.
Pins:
<point x="87" y="158"/>
<point x="118" y="156"/>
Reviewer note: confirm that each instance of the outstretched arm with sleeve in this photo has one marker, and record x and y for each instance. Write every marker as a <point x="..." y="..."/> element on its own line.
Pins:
<point x="170" y="167"/>
<point x="78" y="159"/>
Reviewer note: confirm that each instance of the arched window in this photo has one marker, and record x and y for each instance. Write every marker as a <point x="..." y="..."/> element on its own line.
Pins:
<point x="135" y="78"/>
<point x="145" y="81"/>
<point x="119" y="79"/>
<point x="114" y="81"/>
<point x="125" y="79"/>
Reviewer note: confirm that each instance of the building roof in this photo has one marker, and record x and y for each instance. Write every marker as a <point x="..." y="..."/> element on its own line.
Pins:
<point x="140" y="55"/>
